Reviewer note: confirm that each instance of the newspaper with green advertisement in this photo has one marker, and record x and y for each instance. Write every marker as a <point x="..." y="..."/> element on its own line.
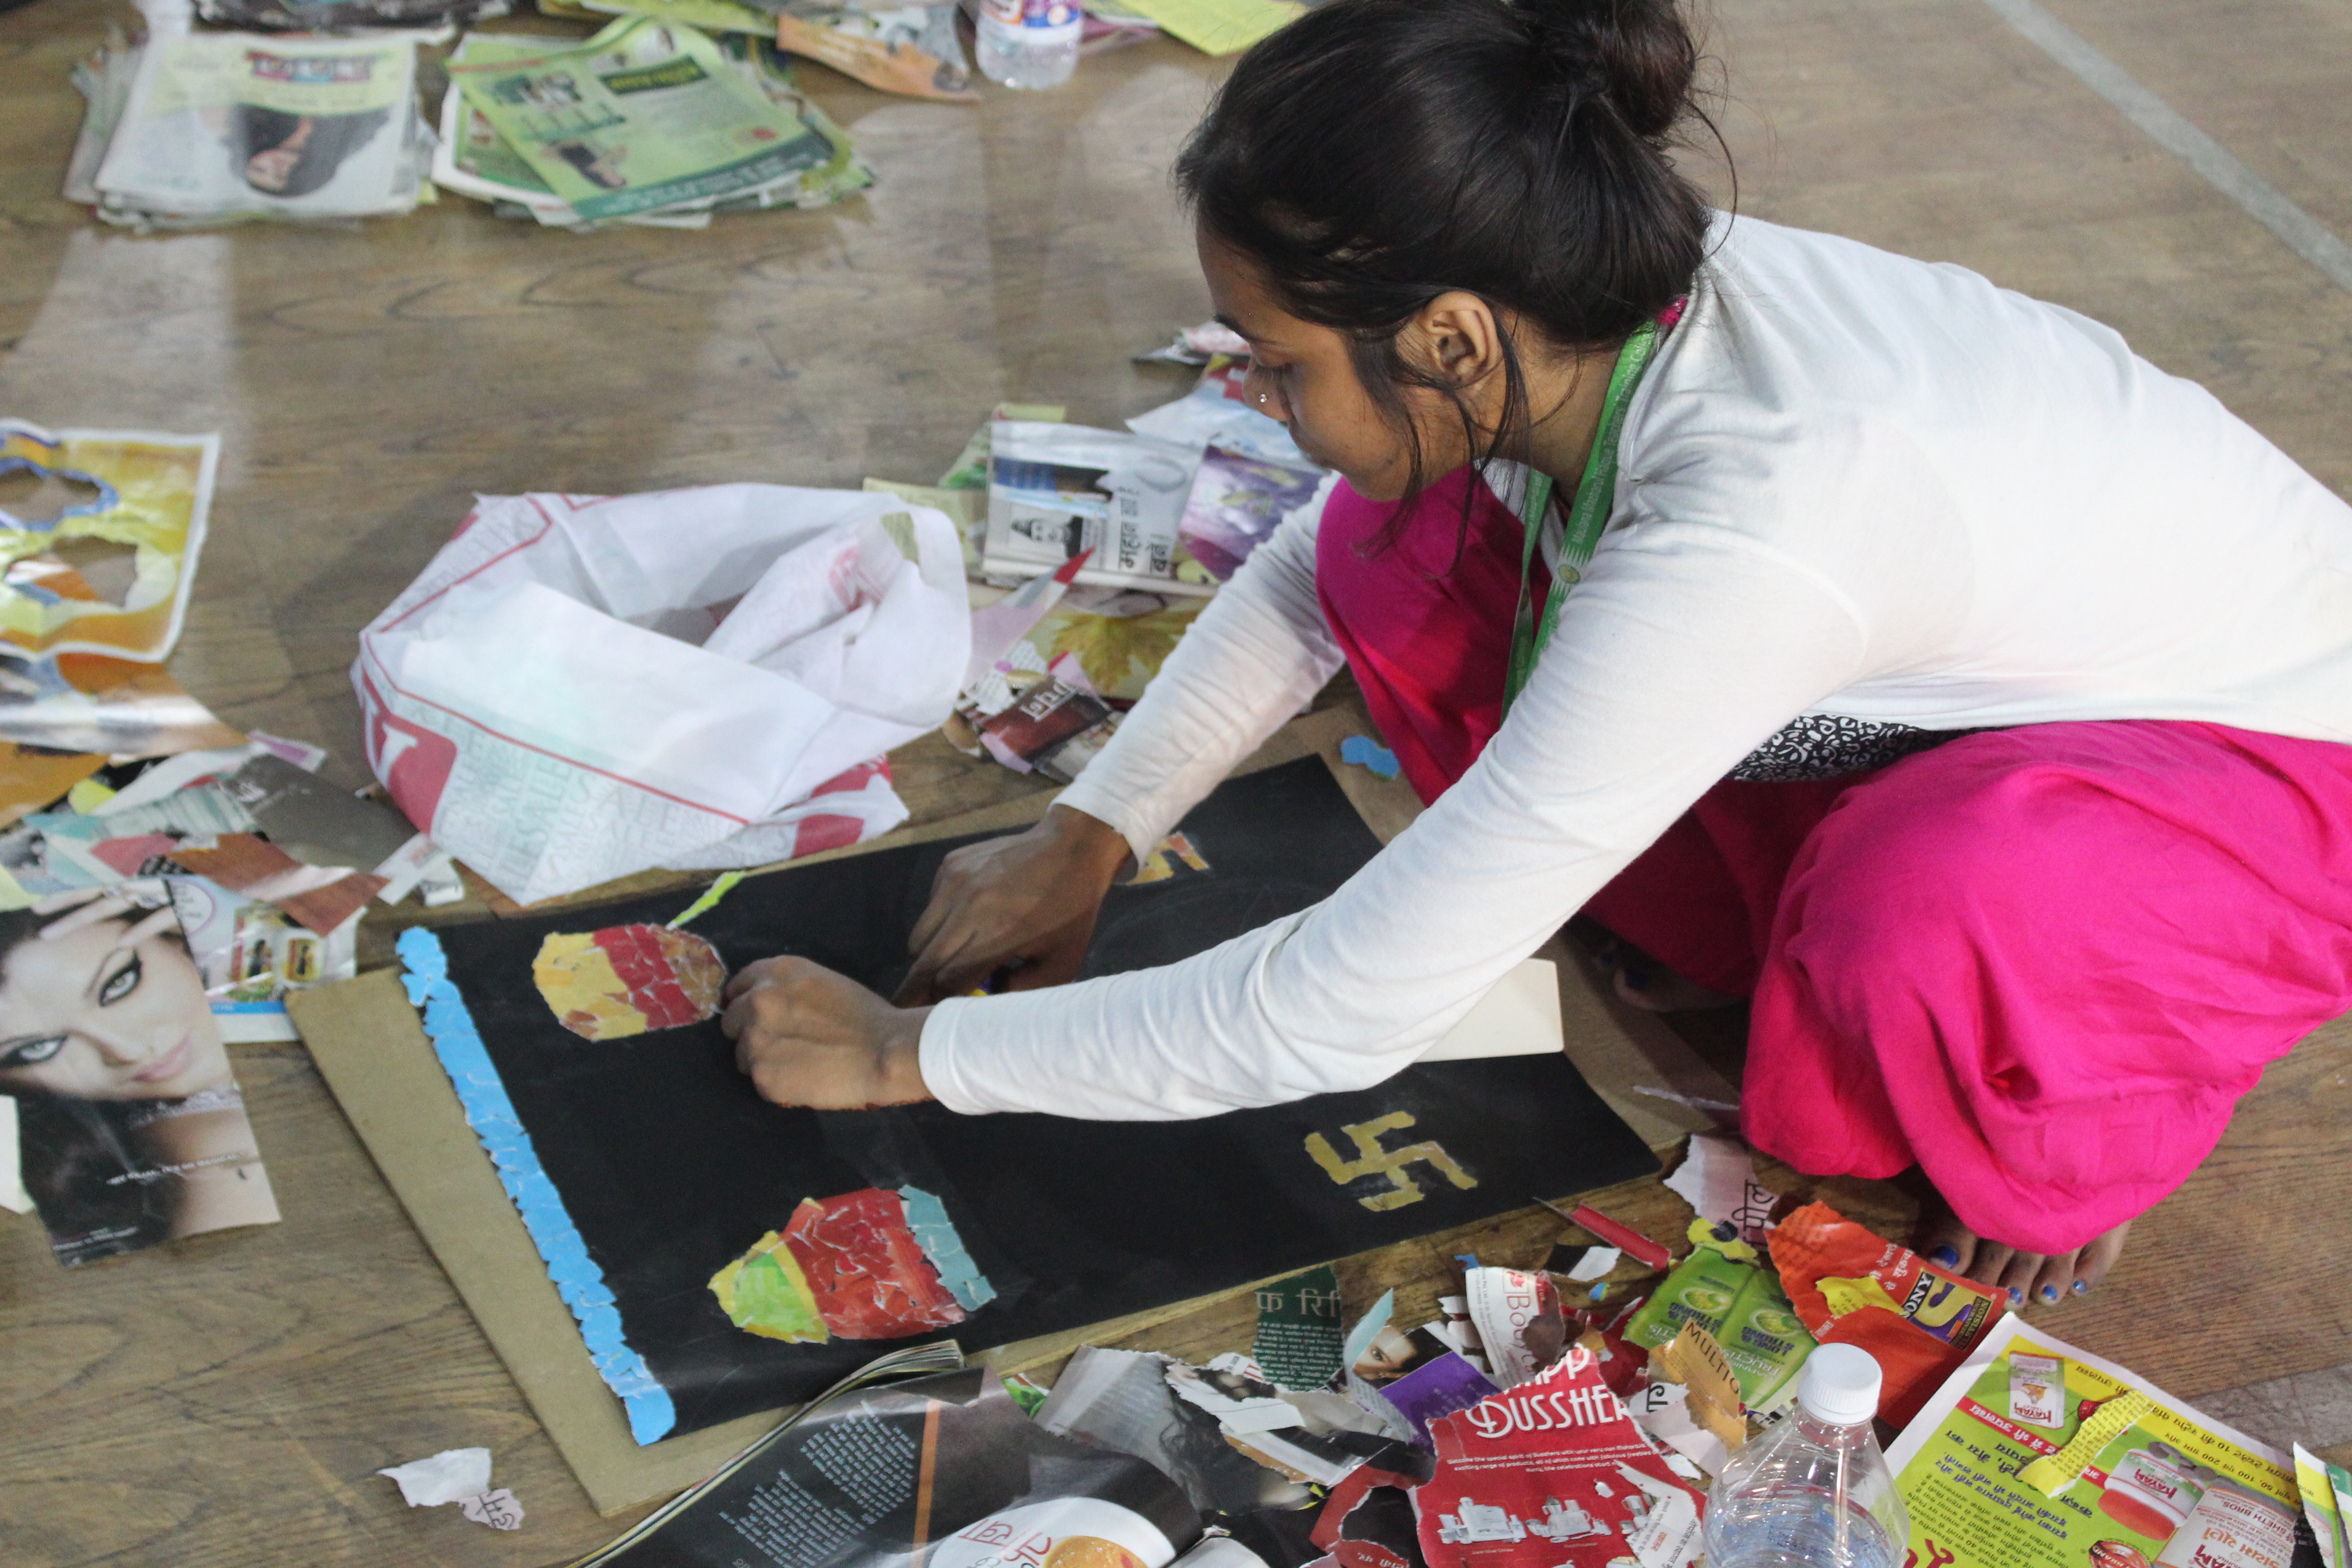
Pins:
<point x="474" y="160"/>
<point x="644" y="116"/>
<point x="2036" y="1454"/>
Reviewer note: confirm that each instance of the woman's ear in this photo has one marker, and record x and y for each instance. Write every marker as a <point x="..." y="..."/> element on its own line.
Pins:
<point x="1455" y="338"/>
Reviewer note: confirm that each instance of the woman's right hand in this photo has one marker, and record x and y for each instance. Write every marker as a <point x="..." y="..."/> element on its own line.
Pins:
<point x="1026" y="903"/>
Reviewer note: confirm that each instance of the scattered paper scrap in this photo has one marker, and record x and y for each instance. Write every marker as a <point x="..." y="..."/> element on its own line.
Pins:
<point x="321" y="898"/>
<point x="2053" y="1473"/>
<point x="13" y="1196"/>
<point x="1625" y="1238"/>
<point x="1172" y="856"/>
<point x="1220" y="27"/>
<point x="1717" y="1178"/>
<point x="869" y="1272"/>
<point x="709" y="900"/>
<point x="152" y="492"/>
<point x="627" y="980"/>
<point x="2326" y="1493"/>
<point x="765" y="1292"/>
<point x="1371" y="754"/>
<point x="1299" y="1337"/>
<point x="461" y="1476"/>
<point x="1694" y="1360"/>
<point x="1582" y="1264"/>
<point x="1518" y="1320"/>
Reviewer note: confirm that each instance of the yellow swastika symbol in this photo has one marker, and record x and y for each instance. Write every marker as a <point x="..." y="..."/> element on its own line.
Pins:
<point x="1371" y="1159"/>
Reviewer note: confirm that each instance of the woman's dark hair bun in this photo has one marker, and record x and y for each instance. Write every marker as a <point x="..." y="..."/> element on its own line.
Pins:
<point x="1637" y="55"/>
<point x="1375" y="155"/>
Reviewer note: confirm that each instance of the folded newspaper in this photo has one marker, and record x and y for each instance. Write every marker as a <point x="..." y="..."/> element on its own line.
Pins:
<point x="943" y="1469"/>
<point x="815" y="166"/>
<point x="210" y="128"/>
<point x="2035" y="1452"/>
<point x="339" y="15"/>
<point x="644" y="118"/>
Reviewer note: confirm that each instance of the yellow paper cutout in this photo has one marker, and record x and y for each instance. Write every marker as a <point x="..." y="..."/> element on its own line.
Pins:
<point x="1220" y="27"/>
<point x="1374" y="1161"/>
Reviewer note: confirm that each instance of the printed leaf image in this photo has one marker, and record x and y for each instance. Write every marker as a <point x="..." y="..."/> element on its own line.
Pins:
<point x="870" y="1277"/>
<point x="765" y="1292"/>
<point x="624" y="980"/>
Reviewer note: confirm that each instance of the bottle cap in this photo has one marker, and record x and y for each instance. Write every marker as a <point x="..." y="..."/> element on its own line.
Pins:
<point x="1840" y="1386"/>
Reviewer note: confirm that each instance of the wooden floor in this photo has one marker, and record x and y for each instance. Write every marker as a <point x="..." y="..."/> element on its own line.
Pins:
<point x="223" y="1403"/>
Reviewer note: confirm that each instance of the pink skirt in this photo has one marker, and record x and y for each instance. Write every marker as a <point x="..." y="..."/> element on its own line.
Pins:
<point x="2043" y="963"/>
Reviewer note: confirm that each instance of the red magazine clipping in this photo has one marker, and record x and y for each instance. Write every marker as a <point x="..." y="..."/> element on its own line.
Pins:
<point x="1553" y="1474"/>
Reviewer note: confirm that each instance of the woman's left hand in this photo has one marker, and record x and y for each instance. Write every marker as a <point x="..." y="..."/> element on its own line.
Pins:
<point x="809" y="1038"/>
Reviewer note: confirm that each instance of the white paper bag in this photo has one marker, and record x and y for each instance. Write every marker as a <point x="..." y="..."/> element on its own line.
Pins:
<point x="582" y="686"/>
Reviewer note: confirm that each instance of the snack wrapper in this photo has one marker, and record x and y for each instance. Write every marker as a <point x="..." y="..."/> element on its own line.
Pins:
<point x="1852" y="1287"/>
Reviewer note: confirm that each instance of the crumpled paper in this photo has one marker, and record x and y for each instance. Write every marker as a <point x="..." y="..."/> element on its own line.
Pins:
<point x="461" y="1476"/>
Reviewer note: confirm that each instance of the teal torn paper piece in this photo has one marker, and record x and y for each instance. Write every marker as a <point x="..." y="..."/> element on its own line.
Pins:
<point x="1367" y="754"/>
<point x="492" y="1116"/>
<point x="1298" y="1336"/>
<point x="936" y="1235"/>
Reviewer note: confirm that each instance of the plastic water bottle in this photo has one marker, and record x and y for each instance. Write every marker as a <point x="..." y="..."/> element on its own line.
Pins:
<point x="1814" y="1493"/>
<point x="1028" y="42"/>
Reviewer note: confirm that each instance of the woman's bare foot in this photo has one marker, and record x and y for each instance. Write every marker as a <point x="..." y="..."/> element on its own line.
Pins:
<point x="2041" y="1278"/>
<point x="1643" y="981"/>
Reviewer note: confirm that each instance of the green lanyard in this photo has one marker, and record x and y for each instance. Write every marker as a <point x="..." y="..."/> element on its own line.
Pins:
<point x="1587" y="514"/>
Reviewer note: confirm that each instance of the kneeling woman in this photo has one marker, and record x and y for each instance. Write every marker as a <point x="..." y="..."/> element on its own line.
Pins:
<point x="1838" y="629"/>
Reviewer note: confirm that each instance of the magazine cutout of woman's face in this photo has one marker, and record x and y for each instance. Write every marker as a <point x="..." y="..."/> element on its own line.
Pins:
<point x="84" y="1019"/>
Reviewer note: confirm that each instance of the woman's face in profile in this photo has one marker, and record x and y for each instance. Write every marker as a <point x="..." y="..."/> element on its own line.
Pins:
<point x="83" y="1018"/>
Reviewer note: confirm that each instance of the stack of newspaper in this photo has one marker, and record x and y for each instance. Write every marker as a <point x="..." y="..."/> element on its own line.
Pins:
<point x="648" y="121"/>
<point x="200" y="129"/>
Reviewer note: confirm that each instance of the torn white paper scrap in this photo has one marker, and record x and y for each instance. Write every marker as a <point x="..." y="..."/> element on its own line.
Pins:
<point x="497" y="1509"/>
<point x="13" y="1196"/>
<point x="1519" y="1017"/>
<point x="1662" y="1410"/>
<point x="1717" y="1178"/>
<point x="1595" y="1264"/>
<point x="461" y="1476"/>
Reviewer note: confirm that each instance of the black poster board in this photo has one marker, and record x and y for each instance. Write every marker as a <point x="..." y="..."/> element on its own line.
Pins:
<point x="670" y="1165"/>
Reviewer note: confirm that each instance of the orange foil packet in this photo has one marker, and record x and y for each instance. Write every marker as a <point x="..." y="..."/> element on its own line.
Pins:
<point x="1852" y="1287"/>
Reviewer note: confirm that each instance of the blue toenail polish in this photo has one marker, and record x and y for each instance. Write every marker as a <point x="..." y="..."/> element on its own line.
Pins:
<point x="2080" y="1287"/>
<point x="2017" y="1298"/>
<point x="2049" y="1292"/>
<point x="1947" y="1255"/>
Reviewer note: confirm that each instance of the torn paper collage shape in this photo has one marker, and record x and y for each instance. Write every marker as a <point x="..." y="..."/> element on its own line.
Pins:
<point x="624" y="980"/>
<point x="872" y="1265"/>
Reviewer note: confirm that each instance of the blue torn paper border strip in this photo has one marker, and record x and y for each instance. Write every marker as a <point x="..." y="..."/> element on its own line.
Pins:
<point x="492" y="1117"/>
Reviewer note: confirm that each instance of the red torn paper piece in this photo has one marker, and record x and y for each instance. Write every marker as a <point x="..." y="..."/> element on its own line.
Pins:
<point x="1368" y="1522"/>
<point x="1553" y="1474"/>
<point x="321" y="897"/>
<point x="1623" y="1237"/>
<point x="865" y="1268"/>
<point x="624" y="980"/>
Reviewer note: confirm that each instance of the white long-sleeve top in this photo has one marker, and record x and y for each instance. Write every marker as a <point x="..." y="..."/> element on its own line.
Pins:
<point x="1851" y="486"/>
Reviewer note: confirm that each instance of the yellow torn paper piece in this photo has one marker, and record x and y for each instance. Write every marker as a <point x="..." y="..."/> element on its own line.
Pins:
<point x="1845" y="1296"/>
<point x="1220" y="27"/>
<point x="147" y="493"/>
<point x="2053" y="1473"/>
<point x="765" y="1292"/>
